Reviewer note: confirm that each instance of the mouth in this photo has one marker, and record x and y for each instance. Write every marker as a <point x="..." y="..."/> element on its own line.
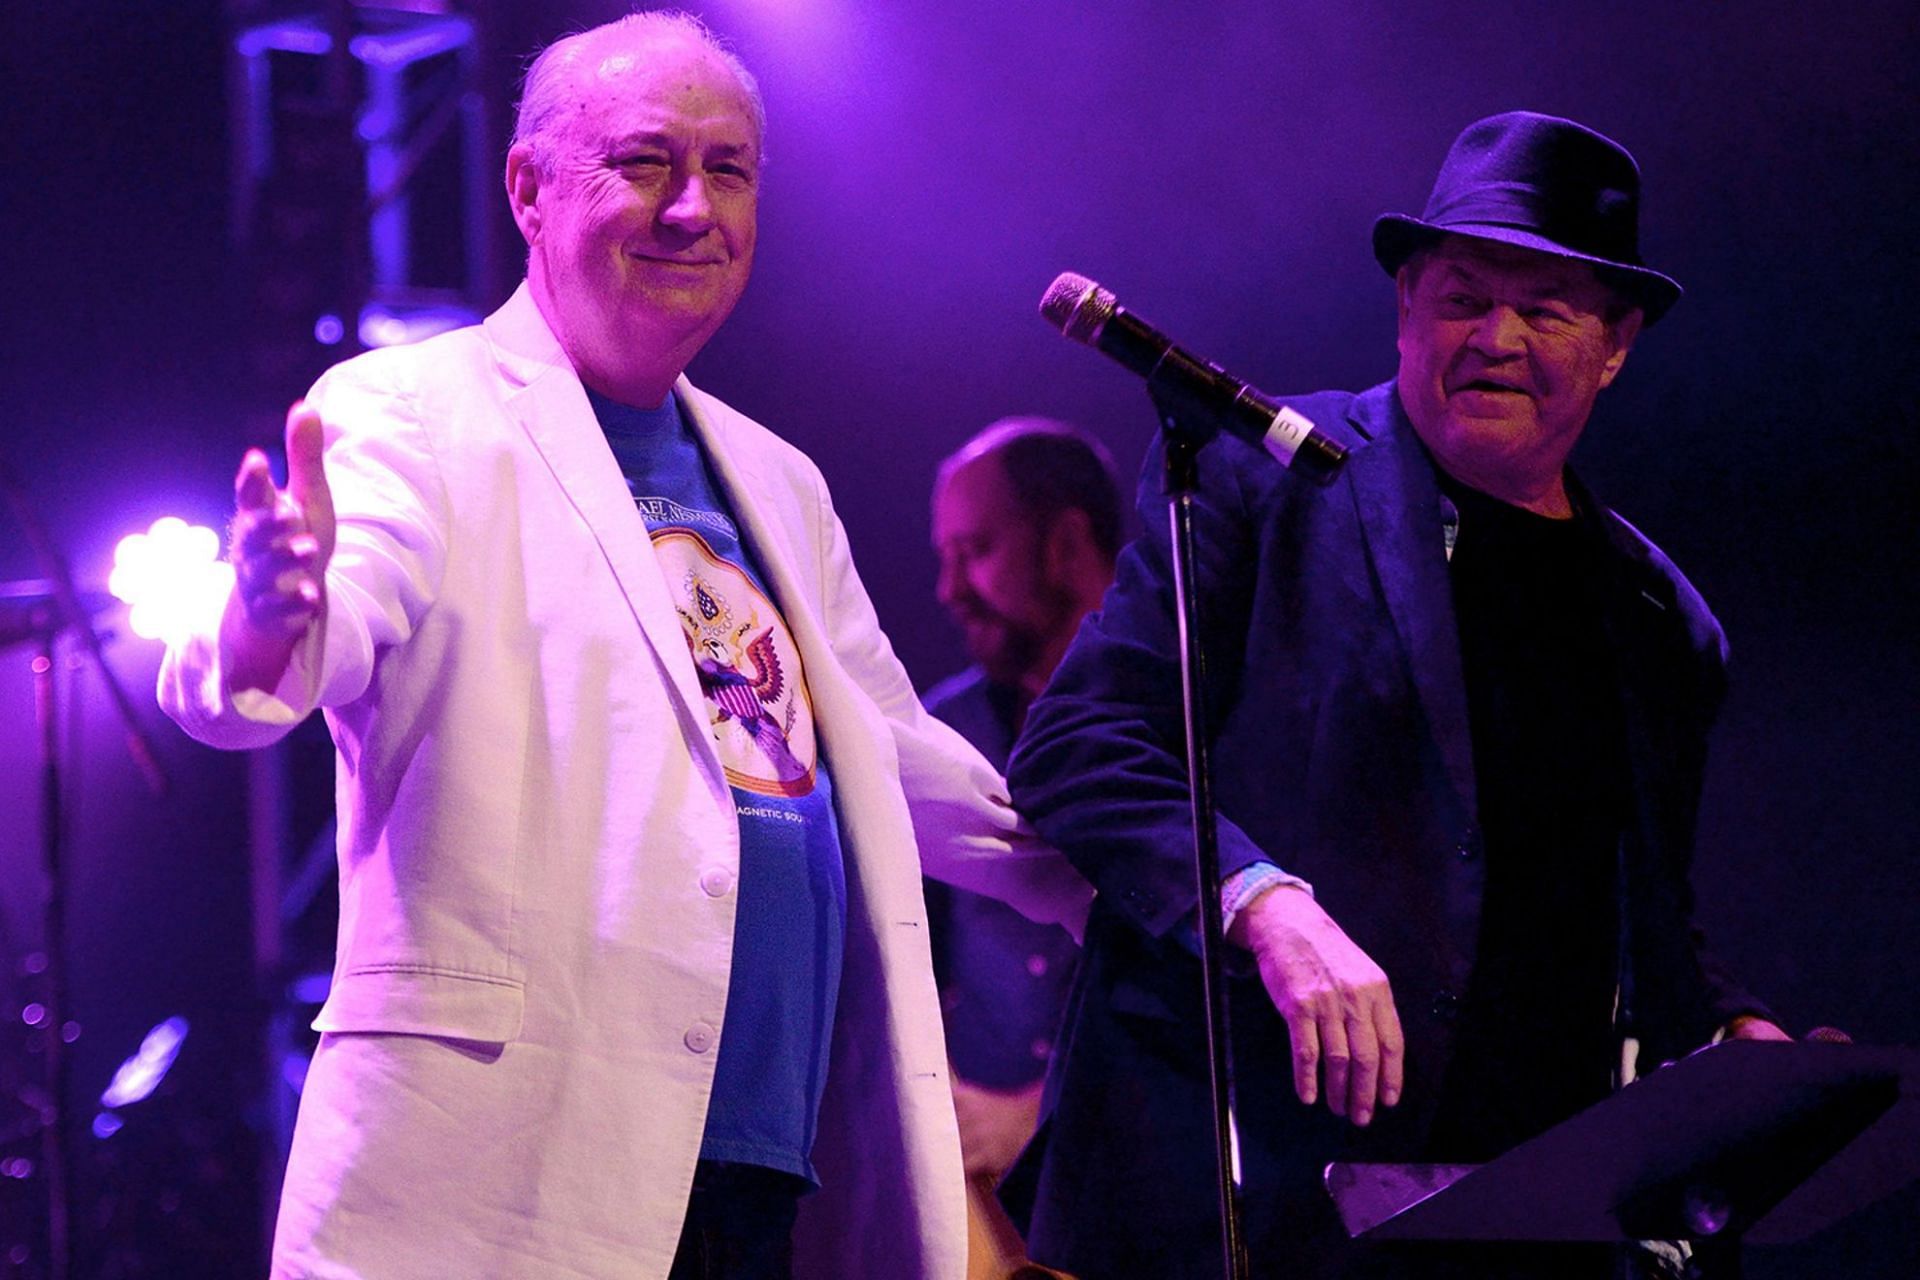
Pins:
<point x="1489" y="386"/>
<point x="666" y="260"/>
<point x="972" y="621"/>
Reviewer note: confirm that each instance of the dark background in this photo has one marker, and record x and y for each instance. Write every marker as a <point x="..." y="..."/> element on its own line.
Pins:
<point x="933" y="166"/>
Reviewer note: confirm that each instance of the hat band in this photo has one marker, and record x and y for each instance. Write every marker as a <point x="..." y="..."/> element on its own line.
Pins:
<point x="1522" y="207"/>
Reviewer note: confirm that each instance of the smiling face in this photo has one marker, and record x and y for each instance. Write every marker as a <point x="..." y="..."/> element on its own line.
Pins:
<point x="638" y="201"/>
<point x="1502" y="351"/>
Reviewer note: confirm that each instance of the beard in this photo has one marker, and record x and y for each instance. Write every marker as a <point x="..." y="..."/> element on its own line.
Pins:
<point x="1005" y="649"/>
<point x="1010" y="649"/>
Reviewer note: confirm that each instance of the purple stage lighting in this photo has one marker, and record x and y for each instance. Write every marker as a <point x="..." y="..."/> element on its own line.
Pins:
<point x="141" y="1074"/>
<point x="170" y="574"/>
<point x="394" y="326"/>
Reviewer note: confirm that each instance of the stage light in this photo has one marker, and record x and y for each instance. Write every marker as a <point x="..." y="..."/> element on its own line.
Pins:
<point x="141" y="1074"/>
<point x="311" y="988"/>
<point x="171" y="575"/>
<point x="393" y="326"/>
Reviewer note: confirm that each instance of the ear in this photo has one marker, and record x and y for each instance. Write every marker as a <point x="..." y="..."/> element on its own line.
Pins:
<point x="1069" y="543"/>
<point x="1622" y="332"/>
<point x="523" y="190"/>
<point x="1402" y="299"/>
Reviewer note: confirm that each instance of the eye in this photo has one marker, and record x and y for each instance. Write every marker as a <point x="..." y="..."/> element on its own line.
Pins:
<point x="641" y="160"/>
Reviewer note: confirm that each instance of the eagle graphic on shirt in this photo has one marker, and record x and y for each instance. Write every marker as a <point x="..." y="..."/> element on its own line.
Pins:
<point x="748" y="665"/>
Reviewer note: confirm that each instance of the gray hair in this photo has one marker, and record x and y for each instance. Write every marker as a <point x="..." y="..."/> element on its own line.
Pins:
<point x="542" y="90"/>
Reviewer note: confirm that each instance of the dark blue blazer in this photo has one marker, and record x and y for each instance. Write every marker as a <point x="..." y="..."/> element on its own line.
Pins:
<point x="1342" y="753"/>
<point x="1003" y="979"/>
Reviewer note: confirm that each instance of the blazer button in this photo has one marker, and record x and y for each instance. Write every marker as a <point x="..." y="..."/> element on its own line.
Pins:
<point x="1469" y="846"/>
<point x="700" y="1037"/>
<point x="715" y="882"/>
<point x="1446" y="1006"/>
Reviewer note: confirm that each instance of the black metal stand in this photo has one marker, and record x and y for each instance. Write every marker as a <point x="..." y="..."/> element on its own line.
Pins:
<point x="1741" y="1143"/>
<point x="43" y="611"/>
<point x="53" y="1145"/>
<point x="1182" y="445"/>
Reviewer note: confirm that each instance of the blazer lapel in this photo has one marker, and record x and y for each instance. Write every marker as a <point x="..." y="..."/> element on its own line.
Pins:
<point x="752" y="495"/>
<point x="747" y="492"/>
<point x="548" y="402"/>
<point x="755" y="496"/>
<point x="1398" y="503"/>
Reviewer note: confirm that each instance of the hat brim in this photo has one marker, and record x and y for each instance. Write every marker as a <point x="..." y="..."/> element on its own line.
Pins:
<point x="1396" y="237"/>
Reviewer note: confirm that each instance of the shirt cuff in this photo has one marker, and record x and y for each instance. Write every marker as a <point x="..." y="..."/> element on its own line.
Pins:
<point x="1238" y="890"/>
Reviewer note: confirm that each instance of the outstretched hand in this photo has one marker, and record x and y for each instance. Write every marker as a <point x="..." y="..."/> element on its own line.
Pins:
<point x="1339" y="1011"/>
<point x="279" y="546"/>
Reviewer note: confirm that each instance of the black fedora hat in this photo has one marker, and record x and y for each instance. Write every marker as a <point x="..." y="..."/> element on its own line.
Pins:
<point x="1542" y="183"/>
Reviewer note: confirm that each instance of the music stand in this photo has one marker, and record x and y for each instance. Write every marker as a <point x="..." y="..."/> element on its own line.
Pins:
<point x="1746" y="1141"/>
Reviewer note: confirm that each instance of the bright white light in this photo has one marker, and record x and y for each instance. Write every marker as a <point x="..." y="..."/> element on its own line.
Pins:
<point x="141" y="1074"/>
<point x="172" y="575"/>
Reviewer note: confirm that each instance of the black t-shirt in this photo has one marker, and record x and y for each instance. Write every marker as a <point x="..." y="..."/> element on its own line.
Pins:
<point x="1543" y="698"/>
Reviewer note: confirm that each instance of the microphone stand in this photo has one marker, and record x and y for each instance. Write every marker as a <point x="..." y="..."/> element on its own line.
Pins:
<point x="59" y="609"/>
<point x="1183" y="439"/>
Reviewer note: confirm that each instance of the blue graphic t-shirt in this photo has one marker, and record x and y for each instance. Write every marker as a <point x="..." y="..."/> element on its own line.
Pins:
<point x="791" y="919"/>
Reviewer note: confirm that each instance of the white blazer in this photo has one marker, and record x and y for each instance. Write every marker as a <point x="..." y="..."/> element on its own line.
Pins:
<point x="538" y="849"/>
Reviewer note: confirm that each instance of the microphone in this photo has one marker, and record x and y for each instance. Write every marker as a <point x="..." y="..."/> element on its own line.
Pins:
<point x="1085" y="312"/>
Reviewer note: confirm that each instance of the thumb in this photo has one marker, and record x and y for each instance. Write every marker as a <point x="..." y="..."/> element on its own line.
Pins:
<point x="306" y="477"/>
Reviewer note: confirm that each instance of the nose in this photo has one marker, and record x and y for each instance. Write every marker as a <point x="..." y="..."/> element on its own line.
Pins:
<point x="691" y="208"/>
<point x="1500" y="333"/>
<point x="951" y="585"/>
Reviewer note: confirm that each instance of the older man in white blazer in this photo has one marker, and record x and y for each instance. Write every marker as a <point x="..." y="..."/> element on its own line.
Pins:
<point x="547" y="717"/>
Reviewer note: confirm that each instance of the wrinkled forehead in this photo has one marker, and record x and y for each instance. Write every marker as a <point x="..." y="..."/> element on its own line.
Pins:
<point x="1506" y="268"/>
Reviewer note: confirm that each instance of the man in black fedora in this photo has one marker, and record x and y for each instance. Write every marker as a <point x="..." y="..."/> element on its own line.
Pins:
<point x="1460" y="715"/>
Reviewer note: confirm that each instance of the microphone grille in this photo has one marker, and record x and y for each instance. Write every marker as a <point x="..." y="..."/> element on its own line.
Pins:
<point x="1828" y="1035"/>
<point x="1077" y="307"/>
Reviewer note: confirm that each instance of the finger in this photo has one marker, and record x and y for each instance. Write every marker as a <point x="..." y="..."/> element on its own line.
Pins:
<point x="1393" y="1051"/>
<point x="281" y="616"/>
<point x="1339" y="1061"/>
<point x="299" y="600"/>
<point x="253" y="484"/>
<point x="260" y="530"/>
<point x="270" y="595"/>
<point x="1305" y="1036"/>
<point x="296" y="585"/>
<point x="306" y="475"/>
<point x="1363" y="1050"/>
<point x="265" y="556"/>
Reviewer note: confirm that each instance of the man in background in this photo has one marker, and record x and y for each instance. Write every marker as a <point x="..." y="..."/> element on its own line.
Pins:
<point x="1027" y="520"/>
